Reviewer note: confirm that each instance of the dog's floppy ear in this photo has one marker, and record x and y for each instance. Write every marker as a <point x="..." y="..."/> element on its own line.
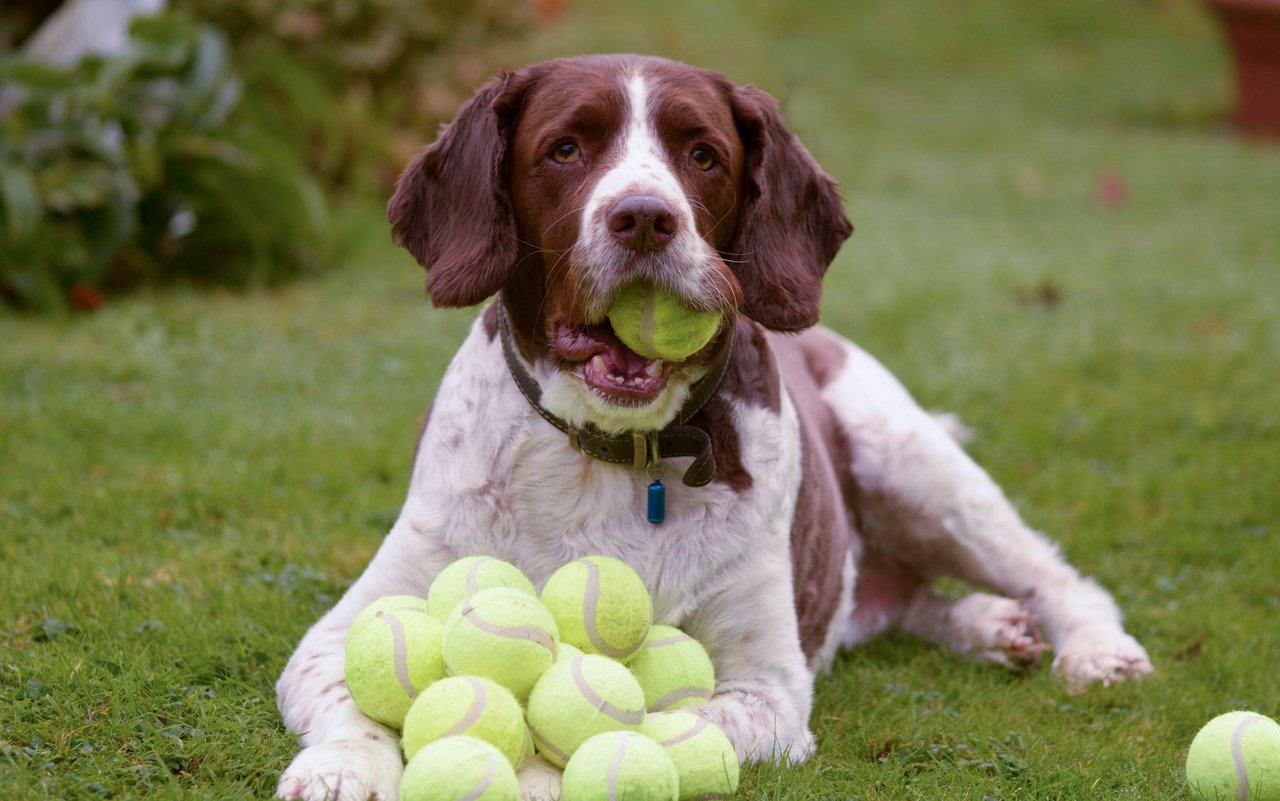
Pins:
<point x="451" y="208"/>
<point x="792" y="223"/>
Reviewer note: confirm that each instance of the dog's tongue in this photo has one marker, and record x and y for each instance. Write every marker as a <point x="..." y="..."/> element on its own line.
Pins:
<point x="583" y="344"/>
<point x="610" y="365"/>
<point x="623" y="359"/>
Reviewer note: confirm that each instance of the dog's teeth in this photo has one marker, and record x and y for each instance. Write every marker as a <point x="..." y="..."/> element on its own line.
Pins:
<point x="653" y="368"/>
<point x="598" y="363"/>
<point x="617" y="379"/>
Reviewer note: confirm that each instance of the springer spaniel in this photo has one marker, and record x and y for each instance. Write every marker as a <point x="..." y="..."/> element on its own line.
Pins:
<point x="821" y="502"/>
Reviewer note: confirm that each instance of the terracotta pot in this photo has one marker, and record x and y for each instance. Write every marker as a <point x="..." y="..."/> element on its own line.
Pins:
<point x="1253" y="30"/>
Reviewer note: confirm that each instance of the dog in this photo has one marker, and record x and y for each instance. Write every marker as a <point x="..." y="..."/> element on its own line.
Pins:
<point x="808" y="502"/>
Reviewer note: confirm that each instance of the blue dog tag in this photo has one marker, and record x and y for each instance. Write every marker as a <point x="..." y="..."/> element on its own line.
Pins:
<point x="657" y="502"/>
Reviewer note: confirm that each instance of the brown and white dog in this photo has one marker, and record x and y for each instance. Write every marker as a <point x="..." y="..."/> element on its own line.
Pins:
<point x="822" y="502"/>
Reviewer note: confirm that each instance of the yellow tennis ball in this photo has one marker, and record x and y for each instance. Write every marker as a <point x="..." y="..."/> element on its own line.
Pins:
<point x="578" y="698"/>
<point x="1236" y="755"/>
<point x="673" y="670"/>
<point x="469" y="575"/>
<point x="567" y="651"/>
<point x="465" y="705"/>
<point x="392" y="654"/>
<point x="703" y="756"/>
<point x="501" y="634"/>
<point x="601" y="606"/>
<point x="650" y="320"/>
<point x="620" y="766"/>
<point x="459" y="769"/>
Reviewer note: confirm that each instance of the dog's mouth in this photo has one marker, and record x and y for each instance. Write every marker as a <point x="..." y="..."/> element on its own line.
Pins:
<point x="609" y="368"/>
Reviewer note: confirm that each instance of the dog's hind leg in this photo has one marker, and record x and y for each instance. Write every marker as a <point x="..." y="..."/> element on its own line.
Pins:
<point x="979" y="626"/>
<point x="926" y="505"/>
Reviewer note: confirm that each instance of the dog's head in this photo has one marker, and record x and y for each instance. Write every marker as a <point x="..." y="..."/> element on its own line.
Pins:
<point x="562" y="182"/>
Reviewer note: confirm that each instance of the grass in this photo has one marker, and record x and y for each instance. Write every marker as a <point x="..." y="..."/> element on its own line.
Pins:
<point x="1058" y="238"/>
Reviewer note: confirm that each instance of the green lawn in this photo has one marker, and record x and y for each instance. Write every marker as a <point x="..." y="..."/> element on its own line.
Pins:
<point x="1058" y="238"/>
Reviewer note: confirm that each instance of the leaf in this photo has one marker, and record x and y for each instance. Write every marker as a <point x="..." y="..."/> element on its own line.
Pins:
<point x="35" y="76"/>
<point x="21" y="201"/>
<point x="209" y="62"/>
<point x="164" y="40"/>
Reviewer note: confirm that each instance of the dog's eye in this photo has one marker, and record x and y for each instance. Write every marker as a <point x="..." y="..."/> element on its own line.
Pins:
<point x="565" y="152"/>
<point x="702" y="158"/>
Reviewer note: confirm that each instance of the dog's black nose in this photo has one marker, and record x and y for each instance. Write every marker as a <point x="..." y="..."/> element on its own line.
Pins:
<point x="642" y="222"/>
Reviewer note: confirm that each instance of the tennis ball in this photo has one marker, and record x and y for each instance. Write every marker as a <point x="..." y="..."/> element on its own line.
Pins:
<point x="392" y="654"/>
<point x="390" y="603"/>
<point x="459" y="769"/>
<point x="466" y="705"/>
<point x="600" y="605"/>
<point x="501" y="634"/>
<point x="567" y="651"/>
<point x="650" y="321"/>
<point x="580" y="697"/>
<point x="467" y="576"/>
<point x="673" y="670"/>
<point x="1236" y="756"/>
<point x="703" y="756"/>
<point x="620" y="766"/>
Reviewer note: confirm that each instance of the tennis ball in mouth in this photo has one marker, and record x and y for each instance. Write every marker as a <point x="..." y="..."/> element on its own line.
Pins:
<point x="651" y="321"/>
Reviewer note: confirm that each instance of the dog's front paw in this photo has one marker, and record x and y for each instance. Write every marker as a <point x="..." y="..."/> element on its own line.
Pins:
<point x="344" y="770"/>
<point x="999" y="630"/>
<point x="539" y="781"/>
<point x="751" y="719"/>
<point x="1099" y="656"/>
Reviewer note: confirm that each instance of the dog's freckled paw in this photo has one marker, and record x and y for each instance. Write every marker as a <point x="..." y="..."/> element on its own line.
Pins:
<point x="1016" y="642"/>
<point x="755" y="728"/>
<point x="1104" y="658"/>
<point x="343" y="771"/>
<point x="1002" y="631"/>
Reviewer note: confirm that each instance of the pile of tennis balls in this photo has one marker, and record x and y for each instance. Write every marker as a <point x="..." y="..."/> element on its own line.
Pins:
<point x="484" y="672"/>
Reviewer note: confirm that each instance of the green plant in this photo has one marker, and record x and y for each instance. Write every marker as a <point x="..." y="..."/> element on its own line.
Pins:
<point x="360" y="85"/>
<point x="137" y="166"/>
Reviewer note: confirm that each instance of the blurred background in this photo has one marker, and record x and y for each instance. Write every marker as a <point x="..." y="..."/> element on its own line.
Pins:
<point x="145" y="140"/>
<point x="214" y="140"/>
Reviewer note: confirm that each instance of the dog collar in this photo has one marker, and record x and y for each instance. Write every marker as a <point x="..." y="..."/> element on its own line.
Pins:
<point x="643" y="450"/>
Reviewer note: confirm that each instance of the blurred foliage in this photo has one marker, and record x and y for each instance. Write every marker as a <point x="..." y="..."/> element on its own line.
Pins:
<point x="363" y="84"/>
<point x="131" y="167"/>
<point x="207" y="150"/>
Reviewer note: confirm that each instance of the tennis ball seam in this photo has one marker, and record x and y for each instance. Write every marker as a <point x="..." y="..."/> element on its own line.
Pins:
<point x="479" y="698"/>
<point x="437" y="767"/>
<point x="616" y="765"/>
<point x="529" y="633"/>
<point x="590" y="611"/>
<point x="588" y="692"/>
<point x="399" y="652"/>
<point x="688" y="734"/>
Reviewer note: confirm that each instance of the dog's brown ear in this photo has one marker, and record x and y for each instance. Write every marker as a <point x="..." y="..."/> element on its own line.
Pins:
<point x="792" y="223"/>
<point x="451" y="208"/>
